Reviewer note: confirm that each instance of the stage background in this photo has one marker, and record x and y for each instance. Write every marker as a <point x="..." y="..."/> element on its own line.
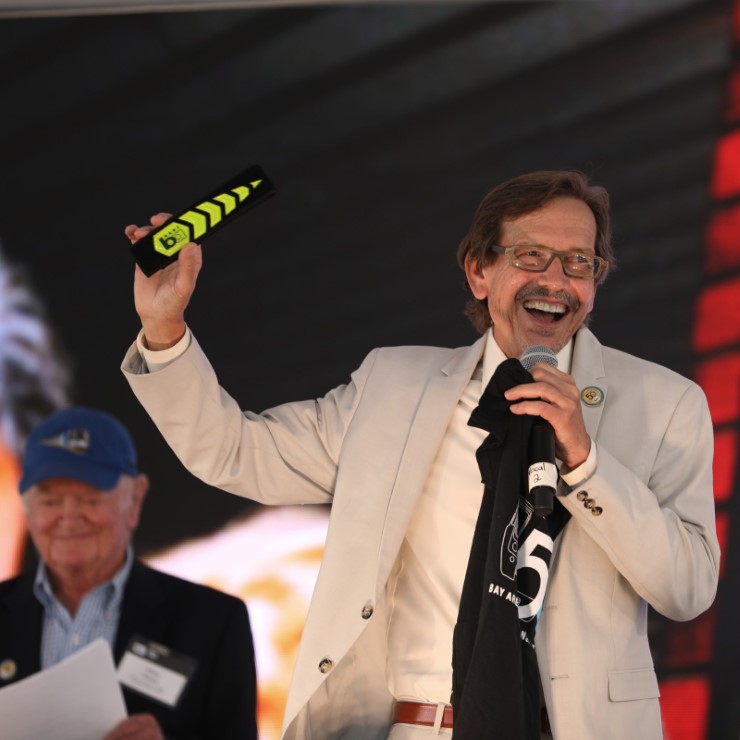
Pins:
<point x="382" y="126"/>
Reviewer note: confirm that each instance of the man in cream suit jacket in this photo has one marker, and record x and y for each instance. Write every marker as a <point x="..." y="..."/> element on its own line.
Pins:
<point x="390" y="450"/>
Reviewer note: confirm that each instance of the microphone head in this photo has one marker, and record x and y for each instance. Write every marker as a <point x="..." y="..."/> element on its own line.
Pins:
<point x="538" y="353"/>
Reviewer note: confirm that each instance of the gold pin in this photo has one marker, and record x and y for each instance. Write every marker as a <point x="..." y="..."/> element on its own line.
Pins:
<point x="592" y="396"/>
<point x="8" y="669"/>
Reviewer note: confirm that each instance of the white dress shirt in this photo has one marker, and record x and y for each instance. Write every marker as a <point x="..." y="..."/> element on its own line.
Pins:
<point x="425" y="594"/>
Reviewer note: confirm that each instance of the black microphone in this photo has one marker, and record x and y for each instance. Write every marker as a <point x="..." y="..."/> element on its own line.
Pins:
<point x="542" y="471"/>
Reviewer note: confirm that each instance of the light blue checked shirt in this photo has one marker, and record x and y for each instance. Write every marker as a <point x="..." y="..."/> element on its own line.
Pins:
<point x="62" y="635"/>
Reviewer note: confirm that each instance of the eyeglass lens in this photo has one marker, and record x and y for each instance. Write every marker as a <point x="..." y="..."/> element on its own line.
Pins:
<point x="581" y="265"/>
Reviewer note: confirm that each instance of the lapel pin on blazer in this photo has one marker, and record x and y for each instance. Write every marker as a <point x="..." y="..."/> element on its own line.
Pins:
<point x="592" y="396"/>
<point x="8" y="669"/>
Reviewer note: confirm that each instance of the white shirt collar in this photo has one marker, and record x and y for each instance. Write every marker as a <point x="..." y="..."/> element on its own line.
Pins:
<point x="493" y="356"/>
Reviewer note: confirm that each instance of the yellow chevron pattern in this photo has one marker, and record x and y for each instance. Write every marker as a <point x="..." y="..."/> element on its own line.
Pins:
<point x="194" y="223"/>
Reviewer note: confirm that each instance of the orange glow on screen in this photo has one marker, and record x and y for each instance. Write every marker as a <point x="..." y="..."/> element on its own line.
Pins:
<point x="271" y="560"/>
<point x="12" y="519"/>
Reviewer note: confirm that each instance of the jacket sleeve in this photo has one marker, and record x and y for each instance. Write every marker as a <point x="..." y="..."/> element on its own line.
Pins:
<point x="286" y="455"/>
<point x="655" y="521"/>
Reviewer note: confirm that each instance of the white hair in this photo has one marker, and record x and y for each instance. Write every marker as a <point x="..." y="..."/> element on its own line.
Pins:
<point x="34" y="376"/>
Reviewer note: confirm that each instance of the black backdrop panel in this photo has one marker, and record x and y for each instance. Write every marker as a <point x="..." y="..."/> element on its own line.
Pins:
<point x="382" y="128"/>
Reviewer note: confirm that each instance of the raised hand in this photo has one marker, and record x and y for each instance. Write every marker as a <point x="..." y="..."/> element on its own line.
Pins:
<point x="161" y="299"/>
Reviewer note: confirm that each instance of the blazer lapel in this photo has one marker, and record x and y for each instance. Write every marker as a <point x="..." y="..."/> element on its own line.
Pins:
<point x="142" y="609"/>
<point x="588" y="372"/>
<point x="436" y="407"/>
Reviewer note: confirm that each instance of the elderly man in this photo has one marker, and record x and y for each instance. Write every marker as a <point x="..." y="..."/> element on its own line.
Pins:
<point x="82" y="493"/>
<point x="432" y="586"/>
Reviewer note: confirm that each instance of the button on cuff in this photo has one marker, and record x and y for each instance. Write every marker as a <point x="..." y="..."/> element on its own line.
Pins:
<point x="367" y="610"/>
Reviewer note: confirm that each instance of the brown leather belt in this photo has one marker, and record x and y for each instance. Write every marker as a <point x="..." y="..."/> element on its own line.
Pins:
<point x="418" y="713"/>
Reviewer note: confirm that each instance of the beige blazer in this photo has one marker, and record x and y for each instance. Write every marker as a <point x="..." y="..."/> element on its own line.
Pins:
<point x="367" y="447"/>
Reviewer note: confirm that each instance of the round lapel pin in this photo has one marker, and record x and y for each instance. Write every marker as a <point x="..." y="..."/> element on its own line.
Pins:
<point x="8" y="669"/>
<point x="592" y="396"/>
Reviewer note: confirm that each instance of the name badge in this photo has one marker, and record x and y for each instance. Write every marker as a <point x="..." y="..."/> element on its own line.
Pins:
<point x="155" y="671"/>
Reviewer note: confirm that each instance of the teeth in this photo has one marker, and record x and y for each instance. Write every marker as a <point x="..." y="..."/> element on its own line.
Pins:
<point x="547" y="307"/>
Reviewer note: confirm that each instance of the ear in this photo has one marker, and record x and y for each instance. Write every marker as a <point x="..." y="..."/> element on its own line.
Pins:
<point x="140" y="489"/>
<point x="476" y="278"/>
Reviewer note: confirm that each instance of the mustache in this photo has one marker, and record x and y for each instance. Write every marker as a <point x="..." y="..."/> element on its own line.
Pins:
<point x="539" y="292"/>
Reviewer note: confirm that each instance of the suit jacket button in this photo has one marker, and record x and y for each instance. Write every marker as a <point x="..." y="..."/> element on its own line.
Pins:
<point x="581" y="495"/>
<point x="596" y="511"/>
<point x="589" y="503"/>
<point x="326" y="665"/>
<point x="367" y="610"/>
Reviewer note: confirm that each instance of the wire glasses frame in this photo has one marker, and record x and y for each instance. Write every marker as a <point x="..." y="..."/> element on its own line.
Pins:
<point x="538" y="259"/>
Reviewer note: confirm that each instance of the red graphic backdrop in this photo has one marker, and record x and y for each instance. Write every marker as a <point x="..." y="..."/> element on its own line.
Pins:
<point x="692" y="697"/>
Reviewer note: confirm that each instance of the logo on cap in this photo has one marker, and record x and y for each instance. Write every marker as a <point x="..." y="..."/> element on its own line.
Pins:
<point x="76" y="441"/>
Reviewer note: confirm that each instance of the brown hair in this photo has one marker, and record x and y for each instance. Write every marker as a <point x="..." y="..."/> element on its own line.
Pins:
<point x="518" y="197"/>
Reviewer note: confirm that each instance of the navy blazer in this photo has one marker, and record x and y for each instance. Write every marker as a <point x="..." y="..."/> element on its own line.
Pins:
<point x="219" y="700"/>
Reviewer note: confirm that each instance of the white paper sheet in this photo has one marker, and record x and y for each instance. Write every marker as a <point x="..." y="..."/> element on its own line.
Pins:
<point x="77" y="699"/>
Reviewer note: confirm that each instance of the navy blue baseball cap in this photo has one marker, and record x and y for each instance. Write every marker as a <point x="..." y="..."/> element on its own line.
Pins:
<point x="81" y="444"/>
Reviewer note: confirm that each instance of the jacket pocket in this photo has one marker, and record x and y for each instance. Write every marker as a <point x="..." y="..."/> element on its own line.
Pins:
<point x="631" y="685"/>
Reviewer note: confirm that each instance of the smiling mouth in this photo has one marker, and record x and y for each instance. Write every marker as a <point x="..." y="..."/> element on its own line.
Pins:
<point x="552" y="312"/>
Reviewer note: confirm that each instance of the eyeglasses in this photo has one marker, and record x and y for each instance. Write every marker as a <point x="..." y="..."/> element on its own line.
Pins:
<point x="538" y="259"/>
